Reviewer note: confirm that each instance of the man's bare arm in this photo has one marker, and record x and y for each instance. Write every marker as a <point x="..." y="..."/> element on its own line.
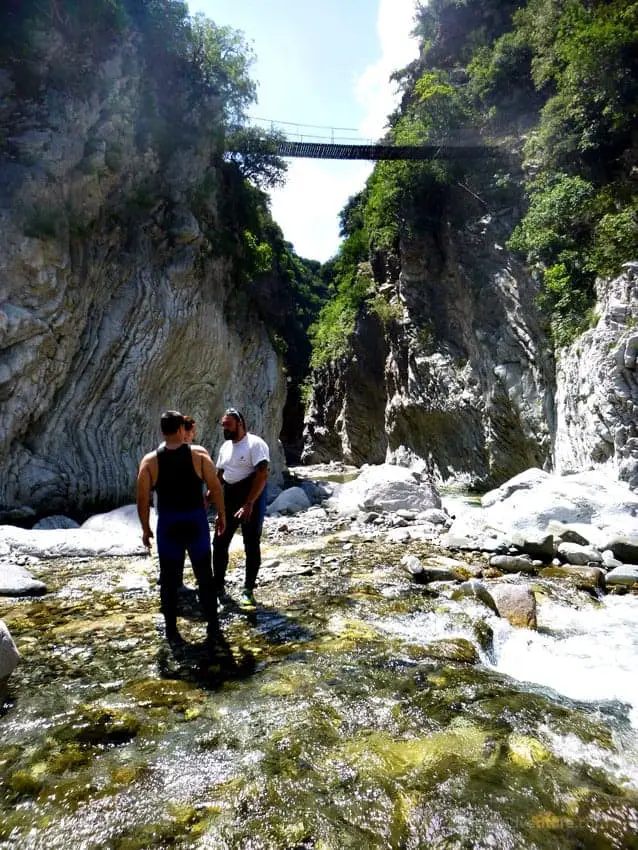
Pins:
<point x="259" y="482"/>
<point x="144" y="487"/>
<point x="215" y="492"/>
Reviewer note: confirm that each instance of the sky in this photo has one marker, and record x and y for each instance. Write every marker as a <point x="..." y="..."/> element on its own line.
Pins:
<point x="325" y="63"/>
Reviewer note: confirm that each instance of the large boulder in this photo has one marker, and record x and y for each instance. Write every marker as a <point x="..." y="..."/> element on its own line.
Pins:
<point x="624" y="575"/>
<point x="624" y="547"/>
<point x="291" y="501"/>
<point x="524" y="510"/>
<point x="386" y="488"/>
<point x="56" y="521"/>
<point x="121" y="522"/>
<point x="114" y="534"/>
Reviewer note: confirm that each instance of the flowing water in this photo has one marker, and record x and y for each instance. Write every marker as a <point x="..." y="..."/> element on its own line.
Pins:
<point x="353" y="709"/>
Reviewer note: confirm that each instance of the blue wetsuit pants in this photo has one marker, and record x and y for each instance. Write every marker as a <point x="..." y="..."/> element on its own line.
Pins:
<point x="179" y="532"/>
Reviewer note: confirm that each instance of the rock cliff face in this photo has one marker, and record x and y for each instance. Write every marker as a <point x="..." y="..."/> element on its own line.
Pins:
<point x="597" y="387"/>
<point x="113" y="305"/>
<point x="465" y="386"/>
<point x="346" y="414"/>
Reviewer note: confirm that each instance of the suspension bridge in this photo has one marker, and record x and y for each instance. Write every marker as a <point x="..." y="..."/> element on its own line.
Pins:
<point x="305" y="140"/>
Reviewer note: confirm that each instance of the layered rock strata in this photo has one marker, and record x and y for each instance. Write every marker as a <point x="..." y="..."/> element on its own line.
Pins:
<point x="113" y="305"/>
<point x="597" y="387"/>
<point x="461" y="382"/>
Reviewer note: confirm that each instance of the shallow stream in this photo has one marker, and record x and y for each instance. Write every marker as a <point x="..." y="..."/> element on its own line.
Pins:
<point x="353" y="709"/>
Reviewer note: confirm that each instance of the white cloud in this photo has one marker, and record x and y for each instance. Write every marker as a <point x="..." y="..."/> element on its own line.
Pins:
<point x="308" y="206"/>
<point x="373" y="89"/>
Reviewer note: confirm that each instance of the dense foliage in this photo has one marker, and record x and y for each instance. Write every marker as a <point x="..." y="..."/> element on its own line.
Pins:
<point x="557" y="81"/>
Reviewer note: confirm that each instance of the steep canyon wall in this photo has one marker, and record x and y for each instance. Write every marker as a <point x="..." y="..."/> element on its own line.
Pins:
<point x="114" y="303"/>
<point x="461" y="381"/>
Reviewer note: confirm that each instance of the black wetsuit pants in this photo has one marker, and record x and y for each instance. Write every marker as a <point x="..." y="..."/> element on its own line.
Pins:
<point x="235" y="496"/>
<point x="179" y="532"/>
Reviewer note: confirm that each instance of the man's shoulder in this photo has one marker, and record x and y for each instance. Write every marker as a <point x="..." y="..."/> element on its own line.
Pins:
<point x="258" y="448"/>
<point x="199" y="450"/>
<point x="151" y="456"/>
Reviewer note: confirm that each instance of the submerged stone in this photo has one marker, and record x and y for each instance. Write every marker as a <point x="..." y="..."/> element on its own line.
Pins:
<point x="453" y="650"/>
<point x="526" y="751"/>
<point x="584" y="578"/>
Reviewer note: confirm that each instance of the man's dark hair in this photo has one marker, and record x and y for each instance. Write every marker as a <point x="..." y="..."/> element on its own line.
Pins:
<point x="189" y="423"/>
<point x="170" y="422"/>
<point x="230" y="411"/>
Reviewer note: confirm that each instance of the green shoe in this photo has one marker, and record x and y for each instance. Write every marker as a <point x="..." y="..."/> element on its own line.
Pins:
<point x="247" y="599"/>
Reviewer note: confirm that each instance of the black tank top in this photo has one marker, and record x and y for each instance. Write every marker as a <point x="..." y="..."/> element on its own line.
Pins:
<point x="178" y="486"/>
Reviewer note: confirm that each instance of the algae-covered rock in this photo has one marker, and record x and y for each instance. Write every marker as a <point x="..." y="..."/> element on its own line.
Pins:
<point x="452" y="649"/>
<point x="97" y="725"/>
<point x="484" y="635"/>
<point x="475" y="589"/>
<point x="380" y="755"/>
<point x="526" y="751"/>
<point x="165" y="693"/>
<point x="584" y="578"/>
<point x="517" y="604"/>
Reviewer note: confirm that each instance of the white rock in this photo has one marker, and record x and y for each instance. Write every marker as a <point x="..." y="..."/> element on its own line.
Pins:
<point x="291" y="501"/>
<point x="119" y="521"/>
<point x="9" y="655"/>
<point x="385" y="488"/>
<point x="74" y="542"/>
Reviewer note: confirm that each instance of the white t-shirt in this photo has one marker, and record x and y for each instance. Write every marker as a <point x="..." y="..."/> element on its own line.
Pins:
<point x="238" y="460"/>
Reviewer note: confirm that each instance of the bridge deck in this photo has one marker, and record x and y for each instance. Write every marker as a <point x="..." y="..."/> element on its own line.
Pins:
<point x="322" y="150"/>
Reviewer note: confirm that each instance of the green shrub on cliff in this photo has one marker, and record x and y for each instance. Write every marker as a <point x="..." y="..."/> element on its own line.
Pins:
<point x="582" y="59"/>
<point x="561" y="74"/>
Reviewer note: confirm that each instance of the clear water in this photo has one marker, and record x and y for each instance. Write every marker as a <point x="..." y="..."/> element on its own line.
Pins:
<point x="331" y="718"/>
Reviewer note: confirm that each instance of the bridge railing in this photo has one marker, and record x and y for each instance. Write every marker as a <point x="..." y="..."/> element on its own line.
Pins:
<point x="309" y="132"/>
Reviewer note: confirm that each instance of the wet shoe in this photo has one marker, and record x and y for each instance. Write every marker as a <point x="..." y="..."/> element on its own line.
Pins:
<point x="173" y="638"/>
<point x="223" y="603"/>
<point x="247" y="599"/>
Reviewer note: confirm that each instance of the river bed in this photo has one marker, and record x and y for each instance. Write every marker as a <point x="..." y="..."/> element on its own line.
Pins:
<point x="352" y="709"/>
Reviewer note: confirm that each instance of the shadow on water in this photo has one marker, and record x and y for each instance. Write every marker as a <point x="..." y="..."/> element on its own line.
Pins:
<point x="211" y="663"/>
<point x="207" y="663"/>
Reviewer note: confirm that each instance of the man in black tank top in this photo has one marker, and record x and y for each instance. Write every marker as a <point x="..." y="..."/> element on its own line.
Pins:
<point x="179" y="472"/>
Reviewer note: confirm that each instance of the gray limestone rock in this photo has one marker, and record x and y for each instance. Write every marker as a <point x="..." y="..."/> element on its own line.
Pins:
<point x="16" y="580"/>
<point x="516" y="603"/>
<point x="56" y="522"/>
<point x="113" y="302"/>
<point x="460" y="383"/>
<point x="290" y="501"/>
<point x="9" y="655"/>
<point x="624" y="575"/>
<point x="512" y="563"/>
<point x="574" y="553"/>
<point x="597" y="387"/>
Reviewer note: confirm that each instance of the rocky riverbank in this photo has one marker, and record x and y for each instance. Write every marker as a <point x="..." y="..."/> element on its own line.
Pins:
<point x="375" y="696"/>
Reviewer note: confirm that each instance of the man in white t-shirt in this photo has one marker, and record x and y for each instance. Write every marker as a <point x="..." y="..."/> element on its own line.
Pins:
<point x="242" y="467"/>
